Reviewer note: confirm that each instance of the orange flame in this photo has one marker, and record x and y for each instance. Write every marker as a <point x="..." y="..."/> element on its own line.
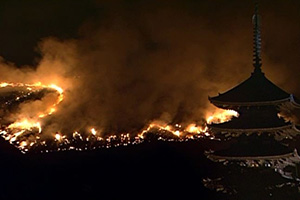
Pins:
<point x="93" y="131"/>
<point x="220" y="116"/>
<point x="18" y="127"/>
<point x="26" y="124"/>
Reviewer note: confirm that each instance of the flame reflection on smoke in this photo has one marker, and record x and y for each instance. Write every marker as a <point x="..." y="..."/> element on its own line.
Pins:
<point x="25" y="133"/>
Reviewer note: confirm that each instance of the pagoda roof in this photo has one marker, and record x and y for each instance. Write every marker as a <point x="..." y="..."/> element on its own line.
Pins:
<point x="256" y="90"/>
<point x="252" y="123"/>
<point x="259" y="147"/>
<point x="288" y="131"/>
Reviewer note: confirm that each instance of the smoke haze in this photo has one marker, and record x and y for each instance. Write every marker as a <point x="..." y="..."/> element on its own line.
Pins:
<point x="137" y="61"/>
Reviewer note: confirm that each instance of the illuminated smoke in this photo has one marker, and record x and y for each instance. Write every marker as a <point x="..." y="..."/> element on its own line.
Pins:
<point x="126" y="73"/>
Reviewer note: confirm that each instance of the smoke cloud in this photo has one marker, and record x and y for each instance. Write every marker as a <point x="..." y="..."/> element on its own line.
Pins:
<point x="141" y="61"/>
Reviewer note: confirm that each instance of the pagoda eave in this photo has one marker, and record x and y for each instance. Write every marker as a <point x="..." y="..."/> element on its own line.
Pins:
<point x="277" y="162"/>
<point x="287" y="102"/>
<point x="236" y="105"/>
<point x="272" y="129"/>
<point x="220" y="158"/>
<point x="280" y="133"/>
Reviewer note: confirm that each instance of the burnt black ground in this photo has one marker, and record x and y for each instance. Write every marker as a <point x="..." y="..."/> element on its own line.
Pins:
<point x="151" y="170"/>
<point x="158" y="170"/>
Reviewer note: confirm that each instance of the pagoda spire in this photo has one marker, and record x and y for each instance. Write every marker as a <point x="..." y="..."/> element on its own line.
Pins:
<point x="256" y="41"/>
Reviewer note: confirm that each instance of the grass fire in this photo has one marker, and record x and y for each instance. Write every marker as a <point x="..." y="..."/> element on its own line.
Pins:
<point x="26" y="133"/>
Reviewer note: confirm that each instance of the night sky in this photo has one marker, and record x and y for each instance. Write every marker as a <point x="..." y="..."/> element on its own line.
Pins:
<point x="25" y="24"/>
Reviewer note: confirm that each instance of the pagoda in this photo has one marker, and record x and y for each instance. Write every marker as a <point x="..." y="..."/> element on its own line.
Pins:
<point x="259" y="134"/>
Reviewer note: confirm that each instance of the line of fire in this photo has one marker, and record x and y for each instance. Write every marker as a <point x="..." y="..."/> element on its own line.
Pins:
<point x="249" y="123"/>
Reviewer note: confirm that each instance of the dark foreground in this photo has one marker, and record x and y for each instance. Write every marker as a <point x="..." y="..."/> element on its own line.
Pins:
<point x="156" y="170"/>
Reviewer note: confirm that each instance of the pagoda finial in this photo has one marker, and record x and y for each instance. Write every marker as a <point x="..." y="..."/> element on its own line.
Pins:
<point x="256" y="40"/>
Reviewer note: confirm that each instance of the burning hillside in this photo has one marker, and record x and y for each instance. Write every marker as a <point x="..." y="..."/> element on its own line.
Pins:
<point x="26" y="132"/>
<point x="121" y="77"/>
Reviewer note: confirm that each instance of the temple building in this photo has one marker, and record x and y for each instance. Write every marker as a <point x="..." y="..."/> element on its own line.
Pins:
<point x="259" y="133"/>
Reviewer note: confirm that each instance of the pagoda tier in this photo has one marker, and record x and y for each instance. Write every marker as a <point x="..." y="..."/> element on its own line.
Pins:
<point x="277" y="159"/>
<point x="252" y="183"/>
<point x="258" y="120"/>
<point x="280" y="133"/>
<point x="254" y="91"/>
<point x="266" y="117"/>
<point x="256" y="151"/>
<point x="277" y="162"/>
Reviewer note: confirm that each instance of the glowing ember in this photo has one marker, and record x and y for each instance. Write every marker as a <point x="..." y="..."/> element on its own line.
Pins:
<point x="26" y="124"/>
<point x="161" y="127"/>
<point x="93" y="131"/>
<point x="4" y="84"/>
<point x="177" y="133"/>
<point x="177" y="130"/>
<point x="58" y="137"/>
<point x="23" y="144"/>
<point x="13" y="137"/>
<point x="77" y="135"/>
<point x="58" y="89"/>
<point x="193" y="128"/>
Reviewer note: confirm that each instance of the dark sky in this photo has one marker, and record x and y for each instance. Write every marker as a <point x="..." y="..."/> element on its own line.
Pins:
<point x="24" y="23"/>
<point x="137" y="60"/>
